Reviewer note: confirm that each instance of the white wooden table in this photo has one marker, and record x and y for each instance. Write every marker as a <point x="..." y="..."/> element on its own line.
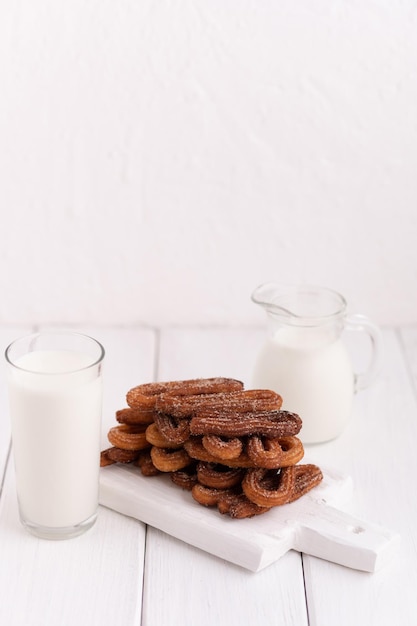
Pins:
<point x="124" y="573"/>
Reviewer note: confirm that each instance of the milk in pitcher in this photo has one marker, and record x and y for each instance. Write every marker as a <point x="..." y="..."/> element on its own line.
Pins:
<point x="312" y="371"/>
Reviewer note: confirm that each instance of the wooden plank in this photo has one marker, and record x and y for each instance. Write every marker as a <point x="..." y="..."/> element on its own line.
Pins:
<point x="378" y="451"/>
<point x="183" y="584"/>
<point x="187" y="586"/>
<point x="95" y="578"/>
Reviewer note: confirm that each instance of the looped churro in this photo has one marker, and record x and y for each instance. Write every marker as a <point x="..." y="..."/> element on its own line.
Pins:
<point x="176" y="432"/>
<point x="238" y="506"/>
<point x="307" y="477"/>
<point x="145" y="396"/>
<point x="264" y="452"/>
<point x="228" y="501"/>
<point x="222" y="447"/>
<point x="262" y="492"/>
<point x="218" y="476"/>
<point x="135" y="416"/>
<point x="292" y="452"/>
<point x="186" y="477"/>
<point x="238" y="401"/>
<point x="144" y="462"/>
<point x="105" y="459"/>
<point x="156" y="438"/>
<point x="118" y="455"/>
<point x="274" y="423"/>
<point x="232" y="448"/>
<point x="196" y="450"/>
<point x="168" y="460"/>
<point x="209" y="496"/>
<point x="128" y="437"/>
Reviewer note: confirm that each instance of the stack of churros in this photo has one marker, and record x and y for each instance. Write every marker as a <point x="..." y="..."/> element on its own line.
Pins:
<point x="232" y="448"/>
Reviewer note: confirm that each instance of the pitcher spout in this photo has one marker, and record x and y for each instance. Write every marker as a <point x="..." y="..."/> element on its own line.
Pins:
<point x="299" y="305"/>
<point x="270" y="297"/>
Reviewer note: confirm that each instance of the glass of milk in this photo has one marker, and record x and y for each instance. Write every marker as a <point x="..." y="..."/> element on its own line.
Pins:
<point x="304" y="357"/>
<point x="55" y="396"/>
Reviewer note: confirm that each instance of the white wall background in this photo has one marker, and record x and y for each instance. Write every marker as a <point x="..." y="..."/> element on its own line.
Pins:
<point x="160" y="158"/>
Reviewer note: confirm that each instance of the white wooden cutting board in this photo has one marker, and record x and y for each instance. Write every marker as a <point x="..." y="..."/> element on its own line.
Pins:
<point x="312" y="524"/>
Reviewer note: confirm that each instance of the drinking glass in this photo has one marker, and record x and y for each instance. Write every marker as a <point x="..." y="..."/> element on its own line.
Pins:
<point x="55" y="397"/>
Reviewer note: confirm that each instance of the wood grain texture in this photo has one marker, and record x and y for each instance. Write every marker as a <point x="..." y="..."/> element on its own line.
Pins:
<point x="205" y="590"/>
<point x="94" y="579"/>
<point x="97" y="578"/>
<point x="378" y="451"/>
<point x="221" y="593"/>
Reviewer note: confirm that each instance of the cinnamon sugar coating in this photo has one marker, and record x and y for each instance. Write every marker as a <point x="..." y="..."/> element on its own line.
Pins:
<point x="242" y="401"/>
<point x="272" y="488"/>
<point x="145" y="396"/>
<point x="119" y="455"/>
<point x="271" y="423"/>
<point x="174" y="431"/>
<point x="186" y="477"/>
<point x="264" y="452"/>
<point x="292" y="452"/>
<point x="218" y="476"/>
<point x="135" y="416"/>
<point x="267" y="495"/>
<point x="307" y="477"/>
<point x="238" y="506"/>
<point x="223" y="448"/>
<point x="155" y="438"/>
<point x="232" y="448"/>
<point x="128" y="437"/>
<point x="105" y="459"/>
<point x="231" y="502"/>
<point x="145" y="463"/>
<point x="169" y="460"/>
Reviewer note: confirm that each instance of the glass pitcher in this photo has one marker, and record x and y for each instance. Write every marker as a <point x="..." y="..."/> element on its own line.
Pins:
<point x="305" y="360"/>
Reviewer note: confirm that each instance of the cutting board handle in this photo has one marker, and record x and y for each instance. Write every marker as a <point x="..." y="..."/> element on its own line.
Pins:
<point x="333" y="535"/>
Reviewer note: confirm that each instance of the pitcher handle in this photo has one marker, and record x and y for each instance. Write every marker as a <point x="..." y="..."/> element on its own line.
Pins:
<point x="359" y="322"/>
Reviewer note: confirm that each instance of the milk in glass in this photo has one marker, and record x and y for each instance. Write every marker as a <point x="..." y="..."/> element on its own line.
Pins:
<point x="55" y="405"/>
